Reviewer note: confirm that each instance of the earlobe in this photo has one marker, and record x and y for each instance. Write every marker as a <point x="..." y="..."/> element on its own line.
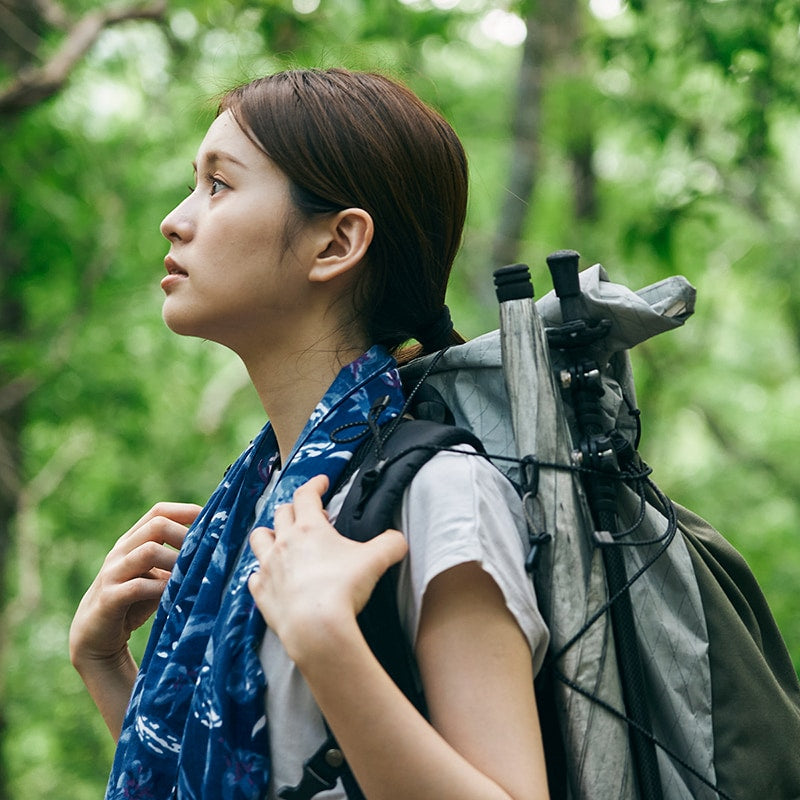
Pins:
<point x="348" y="235"/>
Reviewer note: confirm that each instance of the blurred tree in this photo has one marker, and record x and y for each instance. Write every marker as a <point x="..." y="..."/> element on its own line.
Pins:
<point x="38" y="76"/>
<point x="32" y="74"/>
<point x="666" y="140"/>
<point x="550" y="55"/>
<point x="95" y="390"/>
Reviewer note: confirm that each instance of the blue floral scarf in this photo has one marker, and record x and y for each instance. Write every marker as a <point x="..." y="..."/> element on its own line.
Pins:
<point x="196" y="725"/>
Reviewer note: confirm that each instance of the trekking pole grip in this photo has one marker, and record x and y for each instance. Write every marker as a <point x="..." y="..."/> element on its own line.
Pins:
<point x="513" y="283"/>
<point x="563" y="266"/>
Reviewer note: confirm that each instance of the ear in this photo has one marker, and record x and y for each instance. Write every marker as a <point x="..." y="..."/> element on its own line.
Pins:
<point x="346" y="237"/>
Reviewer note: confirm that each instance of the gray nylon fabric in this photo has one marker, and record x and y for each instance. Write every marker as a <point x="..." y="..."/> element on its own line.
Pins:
<point x="519" y="412"/>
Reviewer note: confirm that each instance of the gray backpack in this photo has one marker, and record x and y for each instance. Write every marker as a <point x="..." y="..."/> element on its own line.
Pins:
<point x="713" y="710"/>
<point x="722" y="693"/>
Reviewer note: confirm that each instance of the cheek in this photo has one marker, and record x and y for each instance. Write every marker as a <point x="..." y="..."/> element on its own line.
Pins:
<point x="231" y="259"/>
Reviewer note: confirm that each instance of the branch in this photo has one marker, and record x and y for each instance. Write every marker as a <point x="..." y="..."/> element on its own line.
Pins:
<point x="15" y="392"/>
<point x="29" y="545"/>
<point x="53" y="13"/>
<point x="51" y="475"/>
<point x="19" y="33"/>
<point x="33" y="86"/>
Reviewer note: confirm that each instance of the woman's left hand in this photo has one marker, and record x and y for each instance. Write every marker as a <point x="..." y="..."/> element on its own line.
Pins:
<point x="312" y="581"/>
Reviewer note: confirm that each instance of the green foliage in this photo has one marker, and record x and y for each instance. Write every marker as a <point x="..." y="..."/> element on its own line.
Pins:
<point x="689" y="112"/>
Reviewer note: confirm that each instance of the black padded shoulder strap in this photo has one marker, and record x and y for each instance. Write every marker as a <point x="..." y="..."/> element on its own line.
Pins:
<point x="386" y="471"/>
<point x="370" y="508"/>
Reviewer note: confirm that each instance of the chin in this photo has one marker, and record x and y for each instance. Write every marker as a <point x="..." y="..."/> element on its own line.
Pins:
<point x="189" y="325"/>
<point x="181" y="324"/>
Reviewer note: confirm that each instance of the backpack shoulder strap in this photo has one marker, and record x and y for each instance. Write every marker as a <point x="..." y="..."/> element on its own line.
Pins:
<point x="369" y="509"/>
<point x="385" y="467"/>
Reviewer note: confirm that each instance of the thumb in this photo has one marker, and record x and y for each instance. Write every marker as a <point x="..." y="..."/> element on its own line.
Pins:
<point x="387" y="549"/>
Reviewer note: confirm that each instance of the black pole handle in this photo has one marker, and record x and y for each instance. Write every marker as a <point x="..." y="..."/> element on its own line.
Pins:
<point x="513" y="282"/>
<point x="563" y="266"/>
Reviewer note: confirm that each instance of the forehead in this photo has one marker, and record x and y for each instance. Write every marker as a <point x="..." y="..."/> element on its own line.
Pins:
<point x="226" y="141"/>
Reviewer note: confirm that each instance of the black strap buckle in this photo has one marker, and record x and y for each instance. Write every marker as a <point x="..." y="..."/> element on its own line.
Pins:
<point x="320" y="773"/>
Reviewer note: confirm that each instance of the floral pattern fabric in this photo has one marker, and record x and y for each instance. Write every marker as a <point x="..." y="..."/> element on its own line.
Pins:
<point x="196" y="725"/>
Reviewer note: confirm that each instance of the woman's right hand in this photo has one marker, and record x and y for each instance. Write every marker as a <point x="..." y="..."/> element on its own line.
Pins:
<point x="122" y="598"/>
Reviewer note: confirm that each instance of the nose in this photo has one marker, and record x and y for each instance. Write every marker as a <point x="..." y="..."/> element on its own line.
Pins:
<point x="177" y="226"/>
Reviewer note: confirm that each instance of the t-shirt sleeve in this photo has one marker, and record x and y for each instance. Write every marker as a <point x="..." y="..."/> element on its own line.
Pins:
<point x="459" y="509"/>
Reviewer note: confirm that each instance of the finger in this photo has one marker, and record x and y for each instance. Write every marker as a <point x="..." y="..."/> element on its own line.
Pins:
<point x="256" y="583"/>
<point x="261" y="541"/>
<point x="134" y="591"/>
<point x="140" y="561"/>
<point x="387" y="549"/>
<point x="262" y="531"/>
<point x="284" y="515"/>
<point x="308" y="498"/>
<point x="159" y="574"/>
<point x="161" y="530"/>
<point x="182" y="513"/>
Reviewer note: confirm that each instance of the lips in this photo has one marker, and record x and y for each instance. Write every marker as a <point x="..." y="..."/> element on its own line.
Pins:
<point x="173" y="267"/>
<point x="175" y="274"/>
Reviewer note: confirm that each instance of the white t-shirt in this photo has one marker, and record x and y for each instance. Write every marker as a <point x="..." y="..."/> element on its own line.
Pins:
<point x="458" y="509"/>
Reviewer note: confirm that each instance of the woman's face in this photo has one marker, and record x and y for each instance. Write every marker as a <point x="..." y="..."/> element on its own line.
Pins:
<point x="232" y="275"/>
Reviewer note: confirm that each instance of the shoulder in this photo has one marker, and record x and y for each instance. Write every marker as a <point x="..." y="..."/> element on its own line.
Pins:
<point x="461" y="474"/>
<point x="461" y="509"/>
<point x="460" y="502"/>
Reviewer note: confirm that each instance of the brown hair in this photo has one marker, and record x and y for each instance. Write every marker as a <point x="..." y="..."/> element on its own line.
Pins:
<point x="354" y="139"/>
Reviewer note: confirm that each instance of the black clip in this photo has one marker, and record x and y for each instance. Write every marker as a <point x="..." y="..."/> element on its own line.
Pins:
<point x="320" y="773"/>
<point x="529" y="467"/>
<point x="368" y="483"/>
<point x="535" y="540"/>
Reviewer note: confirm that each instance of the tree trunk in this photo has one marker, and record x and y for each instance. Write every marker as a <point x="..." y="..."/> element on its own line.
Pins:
<point x="552" y="34"/>
<point x="583" y="176"/>
<point x="21" y="27"/>
<point x="525" y="145"/>
<point x="12" y="419"/>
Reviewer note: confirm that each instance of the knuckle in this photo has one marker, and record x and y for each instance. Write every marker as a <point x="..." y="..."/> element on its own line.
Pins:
<point x="276" y="551"/>
<point x="159" y="526"/>
<point x="150" y="549"/>
<point x="160" y="509"/>
<point x="159" y="522"/>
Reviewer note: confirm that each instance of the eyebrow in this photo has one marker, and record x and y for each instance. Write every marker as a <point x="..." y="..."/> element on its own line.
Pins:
<point x="215" y="156"/>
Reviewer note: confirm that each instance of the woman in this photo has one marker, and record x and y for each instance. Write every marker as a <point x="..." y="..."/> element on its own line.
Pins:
<point x="319" y="237"/>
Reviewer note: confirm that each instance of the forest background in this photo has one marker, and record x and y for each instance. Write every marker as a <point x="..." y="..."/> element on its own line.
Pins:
<point x="655" y="137"/>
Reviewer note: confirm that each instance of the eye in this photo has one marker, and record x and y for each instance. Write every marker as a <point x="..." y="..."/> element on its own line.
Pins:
<point x="216" y="185"/>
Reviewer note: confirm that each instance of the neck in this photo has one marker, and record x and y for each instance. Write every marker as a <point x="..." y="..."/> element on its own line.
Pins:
<point x="290" y="385"/>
